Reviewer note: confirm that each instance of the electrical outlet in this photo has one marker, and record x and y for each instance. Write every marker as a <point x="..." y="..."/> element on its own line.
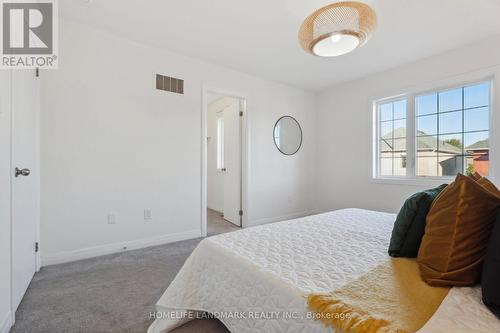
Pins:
<point x="148" y="214"/>
<point x="111" y="218"/>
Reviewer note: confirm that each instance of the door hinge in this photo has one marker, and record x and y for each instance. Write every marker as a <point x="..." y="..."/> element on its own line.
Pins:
<point x="36" y="247"/>
<point x="241" y="213"/>
<point x="241" y="113"/>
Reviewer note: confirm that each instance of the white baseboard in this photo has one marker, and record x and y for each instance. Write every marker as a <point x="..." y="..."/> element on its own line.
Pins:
<point x="95" y="251"/>
<point x="280" y="218"/>
<point x="6" y="323"/>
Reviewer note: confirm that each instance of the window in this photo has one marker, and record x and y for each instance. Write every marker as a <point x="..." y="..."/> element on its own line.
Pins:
<point x="435" y="134"/>
<point x="392" y="129"/>
<point x="220" y="141"/>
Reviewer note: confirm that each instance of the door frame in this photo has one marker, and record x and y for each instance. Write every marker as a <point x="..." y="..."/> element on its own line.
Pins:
<point x="245" y="153"/>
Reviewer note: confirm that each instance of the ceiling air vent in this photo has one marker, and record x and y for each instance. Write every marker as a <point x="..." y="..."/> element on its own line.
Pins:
<point x="170" y="84"/>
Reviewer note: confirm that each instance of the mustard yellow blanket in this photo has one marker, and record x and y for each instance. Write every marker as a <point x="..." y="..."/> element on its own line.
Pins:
<point x="392" y="298"/>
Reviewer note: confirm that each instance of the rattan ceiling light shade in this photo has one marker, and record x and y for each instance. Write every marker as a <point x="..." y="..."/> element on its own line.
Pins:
<point x="338" y="28"/>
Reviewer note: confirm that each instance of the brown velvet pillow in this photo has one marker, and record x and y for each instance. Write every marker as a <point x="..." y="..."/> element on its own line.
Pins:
<point x="476" y="176"/>
<point x="458" y="228"/>
<point x="484" y="182"/>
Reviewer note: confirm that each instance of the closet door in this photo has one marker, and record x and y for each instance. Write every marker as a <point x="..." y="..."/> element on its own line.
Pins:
<point x="232" y="164"/>
<point x="25" y="179"/>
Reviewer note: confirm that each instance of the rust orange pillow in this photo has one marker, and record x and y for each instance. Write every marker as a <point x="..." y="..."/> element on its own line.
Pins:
<point x="476" y="176"/>
<point x="458" y="228"/>
<point x="484" y="182"/>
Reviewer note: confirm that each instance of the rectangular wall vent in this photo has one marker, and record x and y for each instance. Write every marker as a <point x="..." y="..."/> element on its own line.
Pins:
<point x="170" y="84"/>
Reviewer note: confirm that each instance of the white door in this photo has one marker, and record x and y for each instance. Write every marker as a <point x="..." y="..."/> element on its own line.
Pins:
<point x="232" y="164"/>
<point x="25" y="183"/>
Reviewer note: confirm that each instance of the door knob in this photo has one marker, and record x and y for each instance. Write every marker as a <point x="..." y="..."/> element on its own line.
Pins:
<point x="23" y="172"/>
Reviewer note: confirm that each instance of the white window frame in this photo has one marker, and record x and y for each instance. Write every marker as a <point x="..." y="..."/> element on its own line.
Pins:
<point x="409" y="131"/>
<point x="410" y="95"/>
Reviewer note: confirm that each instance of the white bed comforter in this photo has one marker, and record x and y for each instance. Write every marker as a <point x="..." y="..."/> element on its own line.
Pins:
<point x="255" y="279"/>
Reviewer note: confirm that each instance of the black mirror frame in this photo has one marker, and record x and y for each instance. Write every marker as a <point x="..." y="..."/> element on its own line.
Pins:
<point x="301" y="136"/>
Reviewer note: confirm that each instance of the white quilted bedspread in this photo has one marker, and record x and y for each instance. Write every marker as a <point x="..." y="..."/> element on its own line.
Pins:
<point x="255" y="279"/>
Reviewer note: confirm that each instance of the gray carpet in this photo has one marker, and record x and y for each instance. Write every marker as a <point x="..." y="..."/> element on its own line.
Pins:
<point x="113" y="293"/>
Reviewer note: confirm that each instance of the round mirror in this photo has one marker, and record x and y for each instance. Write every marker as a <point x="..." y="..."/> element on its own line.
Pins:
<point x="287" y="135"/>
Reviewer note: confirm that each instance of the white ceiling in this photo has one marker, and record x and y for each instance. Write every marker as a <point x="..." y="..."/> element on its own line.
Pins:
<point x="259" y="37"/>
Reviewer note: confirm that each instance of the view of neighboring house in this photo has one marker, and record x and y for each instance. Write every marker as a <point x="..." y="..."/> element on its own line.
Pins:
<point x="478" y="158"/>
<point x="434" y="157"/>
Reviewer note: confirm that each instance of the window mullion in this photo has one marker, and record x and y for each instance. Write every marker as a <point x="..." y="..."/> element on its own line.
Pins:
<point x="410" y="137"/>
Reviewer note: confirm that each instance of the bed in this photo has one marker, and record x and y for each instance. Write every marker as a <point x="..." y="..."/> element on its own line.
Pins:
<point x="256" y="279"/>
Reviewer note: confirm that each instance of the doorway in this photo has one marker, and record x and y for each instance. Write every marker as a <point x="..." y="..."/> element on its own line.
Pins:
<point x="224" y="124"/>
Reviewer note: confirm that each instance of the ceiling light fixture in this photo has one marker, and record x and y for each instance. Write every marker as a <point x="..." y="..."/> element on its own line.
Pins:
<point x="337" y="29"/>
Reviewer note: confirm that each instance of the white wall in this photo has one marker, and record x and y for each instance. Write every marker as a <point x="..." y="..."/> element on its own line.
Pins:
<point x="344" y="156"/>
<point x="5" y="228"/>
<point x="111" y="144"/>
<point x="215" y="178"/>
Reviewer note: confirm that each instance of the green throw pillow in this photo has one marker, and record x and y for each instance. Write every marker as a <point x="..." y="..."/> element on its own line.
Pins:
<point x="409" y="227"/>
